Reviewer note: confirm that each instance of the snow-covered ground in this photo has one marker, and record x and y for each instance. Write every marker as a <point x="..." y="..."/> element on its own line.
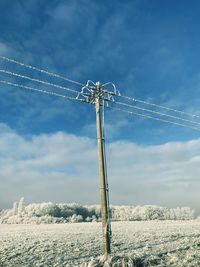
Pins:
<point x="147" y="243"/>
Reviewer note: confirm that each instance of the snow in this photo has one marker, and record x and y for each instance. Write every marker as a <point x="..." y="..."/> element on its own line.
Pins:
<point x="143" y="243"/>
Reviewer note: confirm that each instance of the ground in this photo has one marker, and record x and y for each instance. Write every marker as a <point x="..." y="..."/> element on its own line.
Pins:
<point x="148" y="243"/>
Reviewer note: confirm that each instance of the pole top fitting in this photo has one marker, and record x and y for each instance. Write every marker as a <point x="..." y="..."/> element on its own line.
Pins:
<point x="98" y="85"/>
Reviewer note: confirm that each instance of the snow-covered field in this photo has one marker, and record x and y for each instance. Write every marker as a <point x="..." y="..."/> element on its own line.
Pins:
<point x="145" y="243"/>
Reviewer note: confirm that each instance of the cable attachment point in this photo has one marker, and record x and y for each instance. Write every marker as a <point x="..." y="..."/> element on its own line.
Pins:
<point x="91" y="90"/>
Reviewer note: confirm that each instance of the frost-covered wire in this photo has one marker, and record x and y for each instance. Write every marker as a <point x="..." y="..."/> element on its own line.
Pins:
<point x="157" y="113"/>
<point x="154" y="118"/>
<point x="160" y="106"/>
<point x="116" y="92"/>
<point x="39" y="81"/>
<point x="38" y="90"/>
<point x="40" y="70"/>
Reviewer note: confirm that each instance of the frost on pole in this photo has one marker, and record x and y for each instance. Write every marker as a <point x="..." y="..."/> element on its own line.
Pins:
<point x="95" y="94"/>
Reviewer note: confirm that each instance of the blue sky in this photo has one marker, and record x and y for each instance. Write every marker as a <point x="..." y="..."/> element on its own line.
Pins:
<point x="149" y="49"/>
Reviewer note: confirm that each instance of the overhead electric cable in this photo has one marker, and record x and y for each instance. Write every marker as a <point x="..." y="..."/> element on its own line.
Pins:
<point x="81" y="84"/>
<point x="154" y="118"/>
<point x="39" y="81"/>
<point x="157" y="113"/>
<point x="160" y="106"/>
<point x="39" y="90"/>
<point x="40" y="70"/>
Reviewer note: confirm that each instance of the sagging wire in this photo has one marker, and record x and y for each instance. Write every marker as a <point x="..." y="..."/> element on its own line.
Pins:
<point x="160" y="106"/>
<point x="157" y="113"/>
<point x="154" y="118"/>
<point x="40" y="70"/>
<point x="39" y="90"/>
<point x="38" y="81"/>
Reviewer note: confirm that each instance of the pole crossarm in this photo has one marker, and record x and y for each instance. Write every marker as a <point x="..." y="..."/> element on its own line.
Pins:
<point x="90" y="91"/>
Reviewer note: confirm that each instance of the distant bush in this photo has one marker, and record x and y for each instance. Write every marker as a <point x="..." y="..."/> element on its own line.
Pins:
<point x="48" y="212"/>
<point x="150" y="212"/>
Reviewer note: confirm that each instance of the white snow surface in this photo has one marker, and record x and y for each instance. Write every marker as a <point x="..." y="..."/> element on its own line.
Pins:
<point x="144" y="243"/>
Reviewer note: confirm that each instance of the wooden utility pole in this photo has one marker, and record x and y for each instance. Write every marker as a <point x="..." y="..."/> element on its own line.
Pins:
<point x="106" y="234"/>
<point x="96" y="94"/>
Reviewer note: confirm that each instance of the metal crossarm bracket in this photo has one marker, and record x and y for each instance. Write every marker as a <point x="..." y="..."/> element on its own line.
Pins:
<point x="91" y="90"/>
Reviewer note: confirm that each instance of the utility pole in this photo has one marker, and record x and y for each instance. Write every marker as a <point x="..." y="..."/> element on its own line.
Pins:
<point x="95" y="94"/>
<point x="106" y="234"/>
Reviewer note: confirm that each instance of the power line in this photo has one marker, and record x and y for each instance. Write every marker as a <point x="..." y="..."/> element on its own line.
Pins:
<point x="81" y="100"/>
<point x="39" y="81"/>
<point x="40" y="70"/>
<point x="39" y="90"/>
<point x="156" y="112"/>
<point x="81" y="84"/>
<point x="160" y="106"/>
<point x="154" y="118"/>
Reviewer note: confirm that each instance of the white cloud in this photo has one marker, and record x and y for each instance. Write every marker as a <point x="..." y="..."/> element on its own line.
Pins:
<point x="165" y="174"/>
<point x="63" y="167"/>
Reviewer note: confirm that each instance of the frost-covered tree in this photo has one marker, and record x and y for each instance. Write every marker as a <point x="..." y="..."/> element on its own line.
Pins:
<point x="21" y="206"/>
<point x="76" y="218"/>
<point x="15" y="210"/>
<point x="48" y="212"/>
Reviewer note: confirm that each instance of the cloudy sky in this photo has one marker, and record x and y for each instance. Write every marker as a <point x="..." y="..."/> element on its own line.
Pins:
<point x="150" y="50"/>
